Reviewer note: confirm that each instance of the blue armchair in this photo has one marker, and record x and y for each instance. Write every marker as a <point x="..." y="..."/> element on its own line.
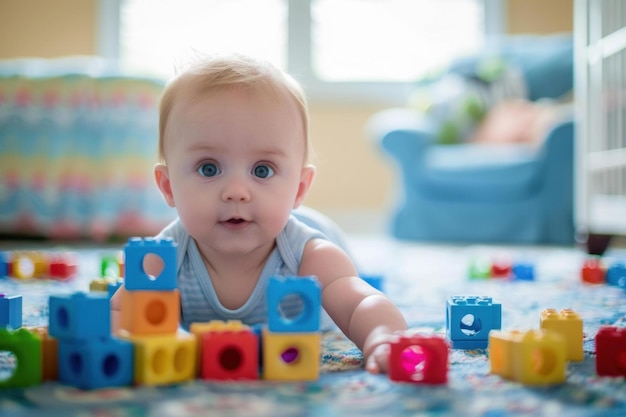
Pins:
<point x="486" y="193"/>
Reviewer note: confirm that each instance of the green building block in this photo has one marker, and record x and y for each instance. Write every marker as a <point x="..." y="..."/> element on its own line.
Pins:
<point x="479" y="268"/>
<point x="20" y="358"/>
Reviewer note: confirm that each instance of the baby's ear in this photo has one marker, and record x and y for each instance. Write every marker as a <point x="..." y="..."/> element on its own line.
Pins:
<point x="162" y="178"/>
<point x="306" y="180"/>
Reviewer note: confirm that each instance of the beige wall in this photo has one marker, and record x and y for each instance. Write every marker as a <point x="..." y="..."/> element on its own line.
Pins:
<point x="352" y="173"/>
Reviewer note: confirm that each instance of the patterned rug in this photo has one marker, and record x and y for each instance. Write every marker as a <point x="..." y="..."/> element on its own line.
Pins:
<point x="419" y="278"/>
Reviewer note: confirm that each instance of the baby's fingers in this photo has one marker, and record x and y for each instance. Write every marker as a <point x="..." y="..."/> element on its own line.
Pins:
<point x="378" y="361"/>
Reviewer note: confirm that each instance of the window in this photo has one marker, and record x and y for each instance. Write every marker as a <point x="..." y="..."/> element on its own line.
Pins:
<point x="338" y="49"/>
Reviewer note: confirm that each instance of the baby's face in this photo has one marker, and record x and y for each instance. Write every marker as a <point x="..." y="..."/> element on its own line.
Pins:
<point x="235" y="161"/>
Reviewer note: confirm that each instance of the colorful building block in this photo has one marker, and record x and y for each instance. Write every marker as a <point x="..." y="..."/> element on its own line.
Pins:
<point x="479" y="268"/>
<point x="4" y="265"/>
<point x="162" y="360"/>
<point x="229" y="355"/>
<point x="419" y="359"/>
<point x="501" y="267"/>
<point x="150" y="312"/>
<point x="28" y="264"/>
<point x="616" y="274"/>
<point x="593" y="271"/>
<point x="294" y="304"/>
<point x="523" y="271"/>
<point x="291" y="356"/>
<point x="20" y="358"/>
<point x="62" y="266"/>
<point x="79" y="316"/>
<point x="111" y="266"/>
<point x="49" y="354"/>
<point x="376" y="281"/>
<point x="469" y="320"/>
<point x="570" y="325"/>
<point x="96" y="363"/>
<point x="11" y="311"/>
<point x="501" y="352"/>
<point x="136" y="278"/>
<point x="611" y="351"/>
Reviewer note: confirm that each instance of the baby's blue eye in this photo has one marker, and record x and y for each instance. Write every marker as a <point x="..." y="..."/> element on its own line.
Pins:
<point x="263" y="171"/>
<point x="208" y="169"/>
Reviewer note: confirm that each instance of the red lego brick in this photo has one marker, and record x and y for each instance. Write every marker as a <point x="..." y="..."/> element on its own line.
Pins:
<point x="230" y="355"/>
<point x="611" y="351"/>
<point x="501" y="268"/>
<point x="419" y="359"/>
<point x="593" y="271"/>
<point x="62" y="266"/>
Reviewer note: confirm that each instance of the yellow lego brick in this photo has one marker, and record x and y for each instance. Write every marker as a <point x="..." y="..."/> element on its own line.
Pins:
<point x="569" y="324"/>
<point x="101" y="284"/>
<point x="501" y="344"/>
<point x="291" y="356"/>
<point x="164" y="359"/>
<point x="539" y="357"/>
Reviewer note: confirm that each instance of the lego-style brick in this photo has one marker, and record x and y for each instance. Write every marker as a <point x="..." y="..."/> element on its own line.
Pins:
<point x="150" y="312"/>
<point x="539" y="358"/>
<point x="79" y="316"/>
<point x="29" y="264"/>
<point x="11" y="311"/>
<point x="229" y="355"/>
<point x="136" y="279"/>
<point x="20" y="355"/>
<point x="110" y="266"/>
<point x="96" y="363"/>
<point x="593" y="271"/>
<point x="570" y="325"/>
<point x="4" y="265"/>
<point x="469" y="319"/>
<point x="616" y="274"/>
<point x="291" y="356"/>
<point x="419" y="359"/>
<point x="479" y="268"/>
<point x="501" y="354"/>
<point x="611" y="351"/>
<point x="523" y="271"/>
<point x="164" y="360"/>
<point x="294" y="304"/>
<point x="199" y="329"/>
<point x="62" y="266"/>
<point x="49" y="354"/>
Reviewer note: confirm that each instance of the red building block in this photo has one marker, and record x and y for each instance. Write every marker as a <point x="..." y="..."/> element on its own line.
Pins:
<point x="611" y="351"/>
<point x="419" y="359"/>
<point x="62" y="265"/>
<point x="593" y="271"/>
<point x="230" y="355"/>
<point x="501" y="268"/>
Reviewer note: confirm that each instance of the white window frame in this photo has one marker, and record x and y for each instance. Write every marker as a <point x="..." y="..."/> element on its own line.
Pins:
<point x="299" y="54"/>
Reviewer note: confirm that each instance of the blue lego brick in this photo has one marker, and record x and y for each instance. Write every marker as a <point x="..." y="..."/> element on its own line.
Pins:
<point x="112" y="287"/>
<point x="293" y="304"/>
<point x="616" y="274"/>
<point x="469" y="320"/>
<point x="79" y="316"/>
<point x="11" y="311"/>
<point x="375" y="281"/>
<point x="523" y="271"/>
<point x="4" y="265"/>
<point x="135" y="278"/>
<point x="101" y="363"/>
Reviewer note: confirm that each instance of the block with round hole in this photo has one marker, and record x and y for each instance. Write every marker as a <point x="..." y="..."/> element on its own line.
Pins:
<point x="501" y="356"/>
<point x="79" y="316"/>
<point x="164" y="360"/>
<point x="96" y="363"/>
<point x="570" y="325"/>
<point x="150" y="312"/>
<point x="198" y="329"/>
<point x="140" y="250"/>
<point x="539" y="358"/>
<point x="469" y="319"/>
<point x="294" y="304"/>
<point x="419" y="359"/>
<point x="229" y="355"/>
<point x="20" y="358"/>
<point x="291" y="356"/>
<point x="11" y="311"/>
<point x="611" y="351"/>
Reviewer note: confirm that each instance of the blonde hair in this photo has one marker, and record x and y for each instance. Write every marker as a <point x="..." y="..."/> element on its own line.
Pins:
<point x="210" y="73"/>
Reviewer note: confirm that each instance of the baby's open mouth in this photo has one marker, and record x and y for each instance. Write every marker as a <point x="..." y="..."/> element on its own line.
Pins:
<point x="235" y="221"/>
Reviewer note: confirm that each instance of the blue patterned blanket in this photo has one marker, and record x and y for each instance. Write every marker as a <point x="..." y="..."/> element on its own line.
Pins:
<point x="419" y="278"/>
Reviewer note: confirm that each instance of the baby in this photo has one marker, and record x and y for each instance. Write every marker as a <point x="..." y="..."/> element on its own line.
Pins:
<point x="234" y="162"/>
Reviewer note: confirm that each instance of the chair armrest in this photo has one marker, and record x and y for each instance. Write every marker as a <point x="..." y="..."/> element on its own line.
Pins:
<point x="401" y="132"/>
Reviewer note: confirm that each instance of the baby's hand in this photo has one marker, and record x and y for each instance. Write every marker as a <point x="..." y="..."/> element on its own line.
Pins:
<point x="378" y="360"/>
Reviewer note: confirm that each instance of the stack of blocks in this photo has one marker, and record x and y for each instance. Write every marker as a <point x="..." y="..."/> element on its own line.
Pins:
<point x="150" y="314"/>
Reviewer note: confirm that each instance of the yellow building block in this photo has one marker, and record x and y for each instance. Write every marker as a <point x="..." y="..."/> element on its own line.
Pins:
<point x="291" y="356"/>
<point x="164" y="359"/>
<point x="539" y="357"/>
<point x="29" y="264"/>
<point x="570" y="325"/>
<point x="501" y="345"/>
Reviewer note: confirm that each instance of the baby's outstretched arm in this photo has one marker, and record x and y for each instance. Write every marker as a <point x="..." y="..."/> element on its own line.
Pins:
<point x="363" y="313"/>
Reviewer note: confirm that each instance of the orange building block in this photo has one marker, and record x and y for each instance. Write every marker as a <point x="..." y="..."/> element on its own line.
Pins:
<point x="150" y="312"/>
<point x="49" y="354"/>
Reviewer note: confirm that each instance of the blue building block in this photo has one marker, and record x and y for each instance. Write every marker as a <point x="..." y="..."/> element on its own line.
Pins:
<point x="113" y="286"/>
<point x="11" y="311"/>
<point x="616" y="274"/>
<point x="135" y="278"/>
<point x="79" y="316"/>
<point x="294" y="304"/>
<point x="96" y="363"/>
<point x="523" y="271"/>
<point x="469" y="320"/>
<point x="375" y="281"/>
<point x="4" y="265"/>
